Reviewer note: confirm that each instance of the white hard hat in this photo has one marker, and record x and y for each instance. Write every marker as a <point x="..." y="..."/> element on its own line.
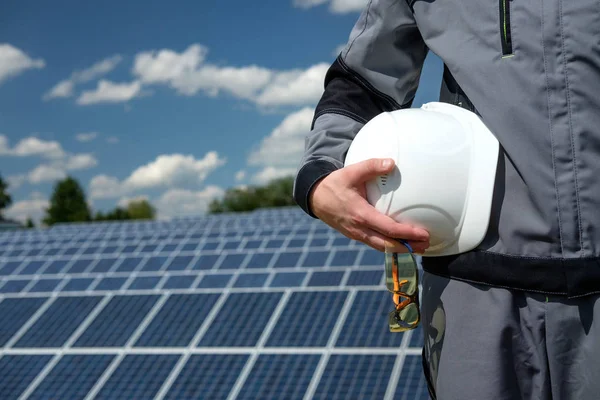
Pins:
<point x="443" y="181"/>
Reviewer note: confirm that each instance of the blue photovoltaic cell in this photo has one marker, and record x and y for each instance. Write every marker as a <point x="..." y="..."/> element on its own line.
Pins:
<point x="138" y="377"/>
<point x="319" y="312"/>
<point x="190" y="246"/>
<point x="214" y="281"/>
<point x="259" y="260"/>
<point x="329" y="278"/>
<point x="371" y="278"/>
<point x="110" y="250"/>
<point x="416" y="338"/>
<point x="341" y="242"/>
<point x="179" y="263"/>
<point x="52" y="251"/>
<point x="32" y="268"/>
<point x="316" y="258"/>
<point x="56" y="267"/>
<point x="302" y="231"/>
<point x="144" y="282"/>
<point x="412" y="384"/>
<point x="154" y="264"/>
<point x="169" y="247"/>
<point x="288" y="279"/>
<point x="355" y="376"/>
<point x="344" y="258"/>
<point x="10" y="267"/>
<point x="34" y="252"/>
<point x="129" y="249"/>
<point x="110" y="283"/>
<point x="179" y="282"/>
<point x="45" y="285"/>
<point x="287" y="259"/>
<point x="129" y="264"/>
<point x="178" y="320"/>
<point x="14" y="313"/>
<point x="69" y="251"/>
<point x="91" y="250"/>
<point x="296" y="243"/>
<point x="233" y="261"/>
<point x="277" y="375"/>
<point x="210" y="245"/>
<point x="372" y="257"/>
<point x="117" y="321"/>
<point x="274" y="244"/>
<point x="241" y="320"/>
<point x="284" y="232"/>
<point x="250" y="280"/>
<point x="56" y="325"/>
<point x="231" y="245"/>
<point x="72" y="377"/>
<point x="319" y="242"/>
<point x="14" y="286"/>
<point x="79" y="266"/>
<point x="367" y="322"/>
<point x="206" y="262"/>
<point x="77" y="284"/>
<point x="253" y="244"/>
<point x="209" y="376"/>
<point x="149" y="248"/>
<point x="18" y="372"/>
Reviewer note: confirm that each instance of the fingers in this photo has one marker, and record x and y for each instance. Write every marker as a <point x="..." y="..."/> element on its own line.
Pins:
<point x="379" y="242"/>
<point x="390" y="228"/>
<point x="368" y="169"/>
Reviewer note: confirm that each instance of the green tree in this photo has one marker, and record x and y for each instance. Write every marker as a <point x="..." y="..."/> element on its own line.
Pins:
<point x="5" y="199"/>
<point x="141" y="209"/>
<point x="67" y="203"/>
<point x="29" y="223"/>
<point x="277" y="193"/>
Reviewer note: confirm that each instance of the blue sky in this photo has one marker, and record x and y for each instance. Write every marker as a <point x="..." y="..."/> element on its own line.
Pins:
<point x="173" y="101"/>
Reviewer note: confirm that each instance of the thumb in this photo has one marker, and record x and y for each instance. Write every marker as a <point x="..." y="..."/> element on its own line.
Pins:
<point x="369" y="169"/>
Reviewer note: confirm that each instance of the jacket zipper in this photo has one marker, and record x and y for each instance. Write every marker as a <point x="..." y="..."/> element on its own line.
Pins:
<point x="507" y="48"/>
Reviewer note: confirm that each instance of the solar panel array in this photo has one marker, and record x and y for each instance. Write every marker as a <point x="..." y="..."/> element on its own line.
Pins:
<point x="269" y="304"/>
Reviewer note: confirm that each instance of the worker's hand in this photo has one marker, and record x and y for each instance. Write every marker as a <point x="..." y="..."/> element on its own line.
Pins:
<point x="340" y="200"/>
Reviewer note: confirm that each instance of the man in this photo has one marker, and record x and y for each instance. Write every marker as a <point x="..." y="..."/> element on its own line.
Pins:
<point x="517" y="318"/>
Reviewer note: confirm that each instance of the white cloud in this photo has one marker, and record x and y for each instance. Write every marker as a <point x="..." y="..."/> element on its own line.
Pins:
<point x="112" y="140"/>
<point x="110" y="92"/>
<point x="285" y="145"/>
<point x="168" y="170"/>
<point x="81" y="161"/>
<point x="269" y="173"/>
<point x="336" y="6"/>
<point x="104" y="186"/>
<point x="180" y="202"/>
<point x="14" y="61"/>
<point x="65" y="88"/>
<point x="34" y="207"/>
<point x="188" y="74"/>
<point x="46" y="173"/>
<point x="86" y="136"/>
<point x="240" y="175"/>
<point x="59" y="161"/>
<point x="32" y="146"/>
<point x="297" y="87"/>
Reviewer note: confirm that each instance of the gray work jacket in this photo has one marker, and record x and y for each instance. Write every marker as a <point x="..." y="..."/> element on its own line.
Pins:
<point x="531" y="70"/>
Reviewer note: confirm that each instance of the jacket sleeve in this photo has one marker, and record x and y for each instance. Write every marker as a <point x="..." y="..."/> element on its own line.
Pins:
<point x="377" y="71"/>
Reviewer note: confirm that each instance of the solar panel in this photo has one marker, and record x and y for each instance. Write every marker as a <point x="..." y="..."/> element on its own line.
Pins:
<point x="267" y="304"/>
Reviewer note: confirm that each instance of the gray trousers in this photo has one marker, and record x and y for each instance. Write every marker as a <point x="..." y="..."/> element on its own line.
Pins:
<point x="484" y="343"/>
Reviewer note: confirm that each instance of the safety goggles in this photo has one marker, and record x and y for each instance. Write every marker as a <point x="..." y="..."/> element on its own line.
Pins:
<point x="402" y="279"/>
